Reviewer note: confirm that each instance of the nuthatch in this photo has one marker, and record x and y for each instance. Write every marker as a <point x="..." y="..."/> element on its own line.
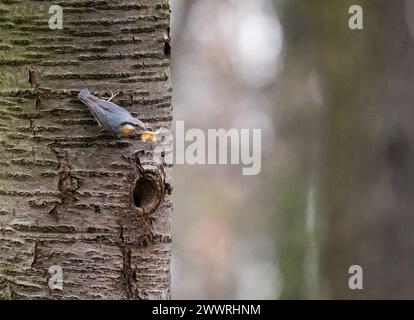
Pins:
<point x="115" y="118"/>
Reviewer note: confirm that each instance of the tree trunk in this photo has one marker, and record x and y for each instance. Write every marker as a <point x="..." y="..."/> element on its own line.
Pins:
<point x="71" y="196"/>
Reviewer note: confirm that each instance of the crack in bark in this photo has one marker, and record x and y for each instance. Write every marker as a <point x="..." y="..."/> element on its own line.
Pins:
<point x="127" y="272"/>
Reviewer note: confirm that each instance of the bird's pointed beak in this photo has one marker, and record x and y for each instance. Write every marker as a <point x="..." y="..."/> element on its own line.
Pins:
<point x="148" y="136"/>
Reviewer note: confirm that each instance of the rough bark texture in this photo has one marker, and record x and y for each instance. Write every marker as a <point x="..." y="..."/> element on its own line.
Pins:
<point x="70" y="195"/>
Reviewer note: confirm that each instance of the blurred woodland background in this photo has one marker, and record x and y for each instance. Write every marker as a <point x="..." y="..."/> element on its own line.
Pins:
<point x="336" y="187"/>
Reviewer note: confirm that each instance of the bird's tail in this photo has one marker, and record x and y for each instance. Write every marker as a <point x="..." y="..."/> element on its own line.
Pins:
<point x="85" y="93"/>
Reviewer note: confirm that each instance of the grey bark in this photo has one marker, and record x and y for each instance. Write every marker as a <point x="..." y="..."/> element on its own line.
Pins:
<point x="70" y="195"/>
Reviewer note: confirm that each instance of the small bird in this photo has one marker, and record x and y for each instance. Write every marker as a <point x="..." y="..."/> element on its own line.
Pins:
<point x="114" y="118"/>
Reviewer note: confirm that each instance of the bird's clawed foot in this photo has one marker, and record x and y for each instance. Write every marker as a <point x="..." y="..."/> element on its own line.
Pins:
<point x="113" y="95"/>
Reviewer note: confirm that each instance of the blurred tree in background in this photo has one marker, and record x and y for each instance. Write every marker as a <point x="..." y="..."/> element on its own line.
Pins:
<point x="365" y="184"/>
<point x="336" y="186"/>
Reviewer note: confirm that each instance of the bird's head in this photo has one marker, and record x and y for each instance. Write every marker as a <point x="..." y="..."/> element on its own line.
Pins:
<point x="128" y="130"/>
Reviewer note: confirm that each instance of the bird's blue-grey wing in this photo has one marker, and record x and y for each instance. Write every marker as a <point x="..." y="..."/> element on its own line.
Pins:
<point x="121" y="112"/>
<point x="112" y="107"/>
<point x="110" y="115"/>
<point x="92" y="102"/>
